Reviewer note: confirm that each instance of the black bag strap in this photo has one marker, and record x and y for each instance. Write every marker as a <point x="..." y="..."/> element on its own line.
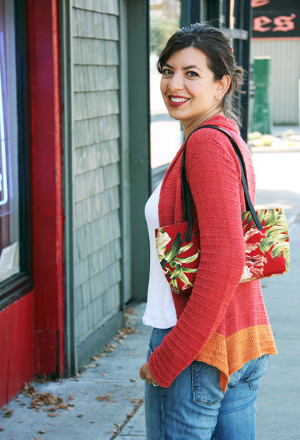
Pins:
<point x="186" y="192"/>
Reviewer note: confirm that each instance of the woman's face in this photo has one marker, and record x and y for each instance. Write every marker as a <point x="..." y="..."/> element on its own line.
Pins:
<point x="188" y="87"/>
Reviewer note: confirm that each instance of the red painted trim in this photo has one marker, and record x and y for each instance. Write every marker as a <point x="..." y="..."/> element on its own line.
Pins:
<point x="17" y="346"/>
<point x="44" y="78"/>
<point x="32" y="328"/>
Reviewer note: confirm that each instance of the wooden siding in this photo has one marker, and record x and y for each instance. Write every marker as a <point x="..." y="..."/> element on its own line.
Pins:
<point x="96" y="175"/>
<point x="284" y="81"/>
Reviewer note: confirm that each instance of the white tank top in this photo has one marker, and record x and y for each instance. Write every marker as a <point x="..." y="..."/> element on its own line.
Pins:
<point x="160" y="310"/>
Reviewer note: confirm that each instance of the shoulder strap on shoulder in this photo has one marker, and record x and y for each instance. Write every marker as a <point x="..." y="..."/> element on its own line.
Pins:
<point x="186" y="192"/>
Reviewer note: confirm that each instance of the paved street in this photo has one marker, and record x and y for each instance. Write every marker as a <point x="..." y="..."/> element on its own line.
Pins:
<point x="278" y="183"/>
<point x="105" y="401"/>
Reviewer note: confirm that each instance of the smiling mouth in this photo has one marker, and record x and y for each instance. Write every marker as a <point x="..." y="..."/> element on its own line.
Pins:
<point x="178" y="99"/>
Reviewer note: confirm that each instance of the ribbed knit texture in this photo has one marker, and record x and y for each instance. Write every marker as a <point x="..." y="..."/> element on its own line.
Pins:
<point x="222" y="322"/>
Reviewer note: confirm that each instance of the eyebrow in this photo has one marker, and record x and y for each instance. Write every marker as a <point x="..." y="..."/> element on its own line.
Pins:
<point x="185" y="68"/>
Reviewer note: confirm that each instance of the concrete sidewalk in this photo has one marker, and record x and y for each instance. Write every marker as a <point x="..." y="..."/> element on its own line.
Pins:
<point x="93" y="406"/>
<point x="278" y="407"/>
<point x="106" y="400"/>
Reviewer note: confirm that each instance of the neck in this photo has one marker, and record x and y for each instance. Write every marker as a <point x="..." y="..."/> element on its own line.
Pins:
<point x="189" y="126"/>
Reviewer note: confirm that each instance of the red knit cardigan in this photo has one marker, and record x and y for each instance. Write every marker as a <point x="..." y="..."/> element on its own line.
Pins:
<point x="223" y="323"/>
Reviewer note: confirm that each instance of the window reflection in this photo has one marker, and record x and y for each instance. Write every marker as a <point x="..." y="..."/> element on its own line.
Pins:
<point x="165" y="131"/>
<point x="9" y="216"/>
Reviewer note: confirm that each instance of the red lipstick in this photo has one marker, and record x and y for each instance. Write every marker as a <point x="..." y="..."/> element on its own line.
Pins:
<point x="173" y="103"/>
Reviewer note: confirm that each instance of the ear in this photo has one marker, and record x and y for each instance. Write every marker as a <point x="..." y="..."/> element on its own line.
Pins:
<point x="223" y="86"/>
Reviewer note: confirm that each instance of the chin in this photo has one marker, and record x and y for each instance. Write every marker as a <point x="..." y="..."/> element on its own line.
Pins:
<point x="175" y="114"/>
<point x="177" y="118"/>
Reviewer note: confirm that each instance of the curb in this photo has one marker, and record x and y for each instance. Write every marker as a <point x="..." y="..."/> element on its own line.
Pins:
<point x="255" y="150"/>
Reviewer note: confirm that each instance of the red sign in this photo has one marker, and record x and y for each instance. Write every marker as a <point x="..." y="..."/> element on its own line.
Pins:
<point x="275" y="19"/>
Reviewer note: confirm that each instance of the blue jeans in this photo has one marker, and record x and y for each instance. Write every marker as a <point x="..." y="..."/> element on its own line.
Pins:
<point x="194" y="406"/>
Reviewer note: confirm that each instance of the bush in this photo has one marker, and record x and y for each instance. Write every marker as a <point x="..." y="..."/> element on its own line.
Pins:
<point x="161" y="29"/>
<point x="254" y="135"/>
<point x="267" y="140"/>
<point x="287" y="133"/>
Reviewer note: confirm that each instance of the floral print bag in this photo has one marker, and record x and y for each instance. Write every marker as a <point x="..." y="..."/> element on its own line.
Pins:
<point x="265" y="232"/>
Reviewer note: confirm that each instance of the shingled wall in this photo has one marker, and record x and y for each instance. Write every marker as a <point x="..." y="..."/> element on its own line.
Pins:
<point x="96" y="175"/>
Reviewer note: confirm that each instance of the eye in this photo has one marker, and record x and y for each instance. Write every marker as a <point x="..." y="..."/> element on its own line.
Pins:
<point x="192" y="74"/>
<point x="166" y="72"/>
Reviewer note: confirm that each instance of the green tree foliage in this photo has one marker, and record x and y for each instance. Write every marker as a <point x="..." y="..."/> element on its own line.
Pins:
<point x="161" y="29"/>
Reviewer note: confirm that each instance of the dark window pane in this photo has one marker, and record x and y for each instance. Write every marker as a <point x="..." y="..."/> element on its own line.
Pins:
<point x="9" y="197"/>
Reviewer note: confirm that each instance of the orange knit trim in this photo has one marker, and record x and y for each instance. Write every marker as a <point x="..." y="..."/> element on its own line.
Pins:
<point x="230" y="354"/>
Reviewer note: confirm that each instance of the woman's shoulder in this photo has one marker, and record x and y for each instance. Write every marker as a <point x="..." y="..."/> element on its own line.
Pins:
<point x="214" y="141"/>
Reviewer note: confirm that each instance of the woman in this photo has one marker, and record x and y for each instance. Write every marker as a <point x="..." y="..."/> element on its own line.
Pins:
<point x="208" y="350"/>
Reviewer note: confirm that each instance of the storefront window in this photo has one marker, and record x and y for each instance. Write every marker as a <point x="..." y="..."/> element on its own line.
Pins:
<point x="165" y="132"/>
<point x="9" y="196"/>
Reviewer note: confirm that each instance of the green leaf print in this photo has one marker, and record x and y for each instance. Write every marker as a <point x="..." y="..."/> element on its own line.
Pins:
<point x="186" y="248"/>
<point x="277" y="249"/>
<point x="270" y="218"/>
<point x="266" y="244"/>
<point x="188" y="259"/>
<point x="286" y="256"/>
<point x="276" y="236"/>
<point x="176" y="272"/>
<point x="185" y="279"/>
<point x="174" y="251"/>
<point x="189" y="270"/>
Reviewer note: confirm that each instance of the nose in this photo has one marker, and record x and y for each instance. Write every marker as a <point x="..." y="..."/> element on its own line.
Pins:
<point x="176" y="82"/>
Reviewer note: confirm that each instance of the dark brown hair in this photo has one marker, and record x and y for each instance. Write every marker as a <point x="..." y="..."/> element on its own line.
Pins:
<point x="218" y="50"/>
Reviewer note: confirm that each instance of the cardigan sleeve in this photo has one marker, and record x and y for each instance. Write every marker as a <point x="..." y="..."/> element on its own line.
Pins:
<point x="214" y="178"/>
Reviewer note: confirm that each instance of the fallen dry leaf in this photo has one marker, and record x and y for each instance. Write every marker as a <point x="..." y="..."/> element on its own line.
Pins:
<point x="129" y="311"/>
<point x="51" y="409"/>
<point x="8" y="414"/>
<point x="123" y="334"/>
<point x="92" y="365"/>
<point x="63" y="406"/>
<point x="42" y="379"/>
<point x="106" y="397"/>
<point x="2" y="429"/>
<point x="28" y="390"/>
<point x="109" y="348"/>
<point x="53" y="403"/>
<point x="53" y="415"/>
<point x="45" y="399"/>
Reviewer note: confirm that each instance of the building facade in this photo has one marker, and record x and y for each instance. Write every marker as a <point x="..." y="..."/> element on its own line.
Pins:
<point x="75" y="174"/>
<point x="276" y="34"/>
<point x="75" y="164"/>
